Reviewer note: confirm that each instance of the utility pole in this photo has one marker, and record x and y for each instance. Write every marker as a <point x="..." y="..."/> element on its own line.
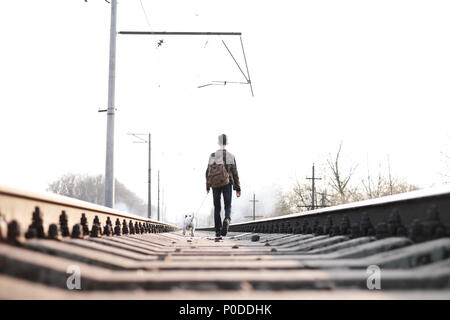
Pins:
<point x="149" y="195"/>
<point x="313" y="196"/>
<point x="158" y="197"/>
<point x="162" y="204"/>
<point x="254" y="210"/>
<point x="149" y="141"/>
<point x="313" y="193"/>
<point x="109" y="168"/>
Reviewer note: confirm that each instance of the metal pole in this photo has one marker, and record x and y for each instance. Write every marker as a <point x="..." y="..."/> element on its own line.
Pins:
<point x="162" y="205"/>
<point x="109" y="168"/>
<point x="254" y="208"/>
<point x="149" y="202"/>
<point x="158" y="196"/>
<point x="313" y="187"/>
<point x="254" y="201"/>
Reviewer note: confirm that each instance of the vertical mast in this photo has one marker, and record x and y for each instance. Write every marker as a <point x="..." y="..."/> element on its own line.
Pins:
<point x="158" y="197"/>
<point x="109" y="168"/>
<point x="313" y="197"/>
<point x="149" y="202"/>
<point x="254" y="202"/>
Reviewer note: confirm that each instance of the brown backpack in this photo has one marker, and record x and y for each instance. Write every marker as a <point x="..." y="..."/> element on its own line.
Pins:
<point x="218" y="175"/>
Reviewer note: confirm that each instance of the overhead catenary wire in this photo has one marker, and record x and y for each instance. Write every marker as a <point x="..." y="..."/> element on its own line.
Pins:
<point x="226" y="82"/>
<point x="196" y="33"/>
<point x="221" y="83"/>
<point x="237" y="64"/>
<point x="145" y="14"/>
<point x="246" y="76"/>
<point x="246" y="66"/>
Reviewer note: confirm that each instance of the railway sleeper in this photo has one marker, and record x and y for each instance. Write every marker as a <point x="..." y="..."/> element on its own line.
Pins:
<point x="52" y="271"/>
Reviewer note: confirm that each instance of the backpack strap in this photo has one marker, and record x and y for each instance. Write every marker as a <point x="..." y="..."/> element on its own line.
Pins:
<point x="225" y="160"/>
<point x="225" y="164"/>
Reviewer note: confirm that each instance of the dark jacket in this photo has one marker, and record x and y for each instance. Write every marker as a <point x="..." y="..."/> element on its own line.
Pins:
<point x="217" y="157"/>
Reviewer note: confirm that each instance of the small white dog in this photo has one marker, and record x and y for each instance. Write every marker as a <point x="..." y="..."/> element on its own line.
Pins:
<point x="188" y="224"/>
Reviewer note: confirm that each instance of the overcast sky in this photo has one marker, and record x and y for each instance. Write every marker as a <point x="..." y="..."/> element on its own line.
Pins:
<point x="373" y="74"/>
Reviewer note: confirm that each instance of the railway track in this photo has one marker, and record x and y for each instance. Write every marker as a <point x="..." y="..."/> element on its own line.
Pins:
<point x="392" y="248"/>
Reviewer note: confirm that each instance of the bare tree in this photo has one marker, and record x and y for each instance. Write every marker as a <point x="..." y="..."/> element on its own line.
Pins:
<point x="337" y="189"/>
<point x="83" y="187"/>
<point x="91" y="189"/>
<point x="384" y="185"/>
<point x="390" y="180"/>
<point x="374" y="187"/>
<point x="302" y="195"/>
<point x="284" y="204"/>
<point x="299" y="199"/>
<point x="445" y="158"/>
<point x="339" y="180"/>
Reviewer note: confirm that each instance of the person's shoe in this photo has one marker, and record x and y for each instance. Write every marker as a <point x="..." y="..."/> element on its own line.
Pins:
<point x="217" y="234"/>
<point x="225" y="225"/>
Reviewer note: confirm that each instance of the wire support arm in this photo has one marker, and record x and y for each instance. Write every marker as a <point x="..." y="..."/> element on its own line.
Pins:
<point x="180" y="33"/>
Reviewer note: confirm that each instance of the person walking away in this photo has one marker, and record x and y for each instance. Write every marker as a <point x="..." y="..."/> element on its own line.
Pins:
<point x="221" y="176"/>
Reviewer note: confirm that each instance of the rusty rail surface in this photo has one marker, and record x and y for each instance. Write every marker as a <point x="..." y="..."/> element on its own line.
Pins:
<point x="32" y="215"/>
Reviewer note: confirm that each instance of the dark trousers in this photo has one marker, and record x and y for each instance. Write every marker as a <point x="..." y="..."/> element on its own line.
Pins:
<point x="226" y="191"/>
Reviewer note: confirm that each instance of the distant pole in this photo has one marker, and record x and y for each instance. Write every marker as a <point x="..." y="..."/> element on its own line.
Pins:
<point x="109" y="168"/>
<point x="158" y="197"/>
<point x="162" y="204"/>
<point x="254" y="208"/>
<point x="149" y="201"/>
<point x="313" y="188"/>
<point x="313" y="192"/>
<point x="149" y="141"/>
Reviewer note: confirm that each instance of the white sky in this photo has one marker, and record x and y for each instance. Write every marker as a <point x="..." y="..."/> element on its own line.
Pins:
<point x="373" y="74"/>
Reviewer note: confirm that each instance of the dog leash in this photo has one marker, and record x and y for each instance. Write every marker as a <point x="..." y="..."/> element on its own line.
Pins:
<point x="203" y="201"/>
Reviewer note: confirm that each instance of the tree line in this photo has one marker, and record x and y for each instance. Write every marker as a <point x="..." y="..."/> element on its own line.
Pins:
<point x="338" y="187"/>
<point x="91" y="188"/>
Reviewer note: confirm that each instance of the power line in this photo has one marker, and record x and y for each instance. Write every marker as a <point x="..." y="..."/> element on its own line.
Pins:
<point x="246" y="76"/>
<point x="180" y="33"/>
<point x="159" y="218"/>
<point x="246" y="66"/>
<point x="195" y="33"/>
<point x="234" y="59"/>
<point x="145" y="14"/>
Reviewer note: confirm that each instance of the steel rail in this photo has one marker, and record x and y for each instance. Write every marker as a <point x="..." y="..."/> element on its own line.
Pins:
<point x="420" y="215"/>
<point x="333" y="252"/>
<point x="19" y="210"/>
